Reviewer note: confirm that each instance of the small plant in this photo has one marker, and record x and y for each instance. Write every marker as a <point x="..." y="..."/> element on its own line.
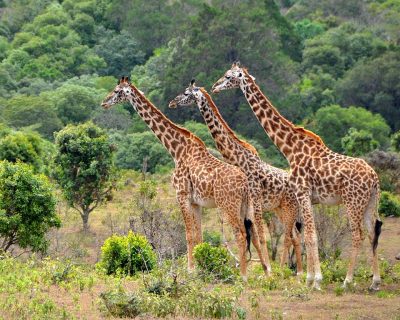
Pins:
<point x="333" y="270"/>
<point x="126" y="255"/>
<point x="389" y="204"/>
<point x="121" y="304"/>
<point x="214" y="261"/>
<point x="339" y="290"/>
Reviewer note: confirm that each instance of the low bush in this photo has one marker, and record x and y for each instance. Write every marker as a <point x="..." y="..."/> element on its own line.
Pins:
<point x="121" y="304"/>
<point x="126" y="255"/>
<point x="212" y="237"/>
<point x="389" y="204"/>
<point x="214" y="262"/>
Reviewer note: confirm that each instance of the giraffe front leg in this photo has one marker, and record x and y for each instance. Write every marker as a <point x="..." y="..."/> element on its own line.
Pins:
<point x="188" y="219"/>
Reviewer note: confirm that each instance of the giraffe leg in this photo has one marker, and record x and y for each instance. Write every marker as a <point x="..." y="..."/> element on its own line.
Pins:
<point x="289" y="211"/>
<point x="311" y="242"/>
<point x="261" y="232"/>
<point x="296" y="237"/>
<point x="188" y="219"/>
<point x="198" y="236"/>
<point x="356" y="239"/>
<point x="240" y="236"/>
<point x="256" y="242"/>
<point x="373" y="226"/>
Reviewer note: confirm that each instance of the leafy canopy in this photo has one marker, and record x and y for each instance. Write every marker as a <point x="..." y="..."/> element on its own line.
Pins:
<point x="27" y="207"/>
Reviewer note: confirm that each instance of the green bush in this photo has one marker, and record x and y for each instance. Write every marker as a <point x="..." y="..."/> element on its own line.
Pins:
<point x="121" y="304"/>
<point x="212" y="237"/>
<point x="214" y="261"/>
<point x="126" y="255"/>
<point x="27" y="208"/>
<point x="389" y="204"/>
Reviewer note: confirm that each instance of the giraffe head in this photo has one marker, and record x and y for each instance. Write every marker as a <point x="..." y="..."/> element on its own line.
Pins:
<point x="119" y="94"/>
<point x="188" y="97"/>
<point x="233" y="78"/>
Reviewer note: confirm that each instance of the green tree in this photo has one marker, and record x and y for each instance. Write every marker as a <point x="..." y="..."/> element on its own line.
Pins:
<point x="32" y="111"/>
<point x="75" y="103"/>
<point x="395" y="141"/>
<point x="27" y="147"/>
<point x="84" y="167"/>
<point x="50" y="49"/>
<point x="120" y="51"/>
<point x="27" y="207"/>
<point x="140" y="149"/>
<point x="357" y="143"/>
<point x="374" y="85"/>
<point x="332" y="123"/>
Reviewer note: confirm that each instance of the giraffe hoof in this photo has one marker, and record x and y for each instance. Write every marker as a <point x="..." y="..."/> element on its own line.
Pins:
<point x="374" y="286"/>
<point x="316" y="286"/>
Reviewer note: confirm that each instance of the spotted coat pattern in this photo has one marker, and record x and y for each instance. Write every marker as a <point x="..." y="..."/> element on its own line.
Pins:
<point x="269" y="186"/>
<point x="200" y="179"/>
<point x="318" y="175"/>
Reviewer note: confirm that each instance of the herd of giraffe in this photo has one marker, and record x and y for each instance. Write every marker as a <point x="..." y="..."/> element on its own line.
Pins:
<point x="244" y="186"/>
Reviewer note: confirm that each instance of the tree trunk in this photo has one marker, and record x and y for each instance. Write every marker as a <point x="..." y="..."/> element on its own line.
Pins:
<point x="85" y="220"/>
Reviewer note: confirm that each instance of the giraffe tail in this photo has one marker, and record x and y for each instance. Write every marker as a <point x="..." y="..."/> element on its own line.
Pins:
<point x="247" y="225"/>
<point x="374" y="223"/>
<point x="378" y="229"/>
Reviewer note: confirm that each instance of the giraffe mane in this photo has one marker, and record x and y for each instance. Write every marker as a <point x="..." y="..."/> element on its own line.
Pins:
<point x="182" y="130"/>
<point x="300" y="130"/>
<point x="211" y="103"/>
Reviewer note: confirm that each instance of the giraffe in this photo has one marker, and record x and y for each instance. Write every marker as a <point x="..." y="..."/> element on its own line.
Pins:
<point x="268" y="185"/>
<point x="318" y="175"/>
<point x="200" y="179"/>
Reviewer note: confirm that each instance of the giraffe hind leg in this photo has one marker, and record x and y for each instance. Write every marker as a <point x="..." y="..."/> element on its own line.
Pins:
<point x="373" y="226"/>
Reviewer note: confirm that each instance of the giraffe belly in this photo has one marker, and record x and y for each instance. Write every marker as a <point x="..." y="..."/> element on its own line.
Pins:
<point x="323" y="198"/>
<point x="204" y="202"/>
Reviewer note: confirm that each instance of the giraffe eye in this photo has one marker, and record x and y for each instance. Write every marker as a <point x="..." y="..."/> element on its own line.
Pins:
<point x="227" y="77"/>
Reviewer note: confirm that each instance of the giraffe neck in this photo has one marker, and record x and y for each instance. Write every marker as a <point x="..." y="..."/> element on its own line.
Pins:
<point x="225" y="139"/>
<point x="289" y="139"/>
<point x="174" y="138"/>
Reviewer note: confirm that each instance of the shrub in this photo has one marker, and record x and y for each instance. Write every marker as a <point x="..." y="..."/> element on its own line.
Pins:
<point x="27" y="207"/>
<point x="213" y="261"/>
<point x="121" y="304"/>
<point x="389" y="204"/>
<point x="212" y="237"/>
<point x="126" y="255"/>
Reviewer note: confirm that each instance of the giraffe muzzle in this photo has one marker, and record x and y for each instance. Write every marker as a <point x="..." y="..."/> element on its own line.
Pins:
<point x="172" y="104"/>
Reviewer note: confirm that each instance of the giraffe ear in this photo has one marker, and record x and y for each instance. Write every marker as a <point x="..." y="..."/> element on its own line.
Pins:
<point x="192" y="82"/>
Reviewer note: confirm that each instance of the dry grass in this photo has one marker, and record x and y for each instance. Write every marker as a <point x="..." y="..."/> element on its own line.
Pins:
<point x="290" y="301"/>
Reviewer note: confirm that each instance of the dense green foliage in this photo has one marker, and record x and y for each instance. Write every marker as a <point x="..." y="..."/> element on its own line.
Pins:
<point x="84" y="167"/>
<point x="27" y="147"/>
<point x="389" y="204"/>
<point x="27" y="207"/>
<point x="330" y="66"/>
<point x="213" y="261"/>
<point x="126" y="255"/>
